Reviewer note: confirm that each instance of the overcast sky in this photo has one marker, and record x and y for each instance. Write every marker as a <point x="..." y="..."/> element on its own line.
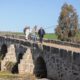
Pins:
<point x="15" y="14"/>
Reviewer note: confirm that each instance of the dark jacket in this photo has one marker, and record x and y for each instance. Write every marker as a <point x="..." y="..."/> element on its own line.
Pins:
<point x="41" y="33"/>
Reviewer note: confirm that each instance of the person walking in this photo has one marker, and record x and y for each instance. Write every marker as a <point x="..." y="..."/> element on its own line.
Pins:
<point x="41" y="34"/>
<point x="27" y="32"/>
<point x="34" y="33"/>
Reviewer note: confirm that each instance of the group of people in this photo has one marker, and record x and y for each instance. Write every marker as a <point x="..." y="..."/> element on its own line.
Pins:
<point x="33" y="35"/>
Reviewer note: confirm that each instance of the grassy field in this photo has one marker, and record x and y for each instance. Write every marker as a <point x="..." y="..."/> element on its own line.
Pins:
<point x="47" y="35"/>
<point x="54" y="36"/>
<point x="7" y="75"/>
<point x="50" y="36"/>
<point x="10" y="76"/>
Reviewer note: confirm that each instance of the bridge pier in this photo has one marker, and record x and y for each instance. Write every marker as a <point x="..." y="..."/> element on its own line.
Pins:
<point x="26" y="65"/>
<point x="9" y="57"/>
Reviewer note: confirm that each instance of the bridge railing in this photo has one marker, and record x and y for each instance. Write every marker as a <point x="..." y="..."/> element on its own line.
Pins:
<point x="22" y="37"/>
<point x="62" y="42"/>
<point x="14" y="36"/>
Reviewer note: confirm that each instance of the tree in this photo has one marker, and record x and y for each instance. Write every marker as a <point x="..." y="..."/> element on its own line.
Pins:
<point x="68" y="23"/>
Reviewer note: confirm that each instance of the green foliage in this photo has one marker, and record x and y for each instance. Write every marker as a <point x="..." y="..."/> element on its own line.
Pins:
<point x="76" y="38"/>
<point x="50" y="36"/>
<point x="68" y="23"/>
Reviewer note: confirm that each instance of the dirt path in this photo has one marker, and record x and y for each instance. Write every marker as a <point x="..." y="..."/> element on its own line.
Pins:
<point x="69" y="48"/>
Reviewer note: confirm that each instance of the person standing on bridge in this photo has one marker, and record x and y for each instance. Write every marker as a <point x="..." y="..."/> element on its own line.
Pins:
<point x="27" y="32"/>
<point x="34" y="33"/>
<point x="41" y="34"/>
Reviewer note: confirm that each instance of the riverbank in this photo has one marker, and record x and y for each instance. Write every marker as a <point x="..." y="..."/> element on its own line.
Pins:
<point x="10" y="76"/>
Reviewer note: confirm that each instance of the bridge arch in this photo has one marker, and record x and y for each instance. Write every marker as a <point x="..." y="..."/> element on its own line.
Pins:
<point x="15" y="68"/>
<point x="4" y="50"/>
<point x="40" y="69"/>
<point x="20" y="55"/>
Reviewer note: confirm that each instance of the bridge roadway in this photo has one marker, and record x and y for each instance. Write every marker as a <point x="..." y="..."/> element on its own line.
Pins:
<point x="69" y="48"/>
<point x="74" y="47"/>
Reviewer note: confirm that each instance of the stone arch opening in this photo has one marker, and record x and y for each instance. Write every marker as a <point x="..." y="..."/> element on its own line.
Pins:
<point x="15" y="68"/>
<point x="40" y="69"/>
<point x="20" y="57"/>
<point x="3" y="51"/>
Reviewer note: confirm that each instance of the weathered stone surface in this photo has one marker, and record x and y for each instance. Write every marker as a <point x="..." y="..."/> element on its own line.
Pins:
<point x="59" y="63"/>
<point x="46" y="48"/>
<point x="10" y="57"/>
<point x="26" y="64"/>
<point x="54" y="50"/>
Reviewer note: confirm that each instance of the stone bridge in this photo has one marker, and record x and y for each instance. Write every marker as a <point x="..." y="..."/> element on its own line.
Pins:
<point x="56" y="60"/>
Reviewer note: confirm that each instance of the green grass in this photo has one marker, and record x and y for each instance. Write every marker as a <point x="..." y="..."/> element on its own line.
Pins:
<point x="50" y="36"/>
<point x="47" y="35"/>
<point x="7" y="75"/>
<point x="10" y="76"/>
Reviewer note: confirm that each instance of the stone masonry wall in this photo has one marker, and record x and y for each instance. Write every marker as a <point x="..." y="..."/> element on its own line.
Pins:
<point x="61" y="64"/>
<point x="10" y="57"/>
<point x="26" y="64"/>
